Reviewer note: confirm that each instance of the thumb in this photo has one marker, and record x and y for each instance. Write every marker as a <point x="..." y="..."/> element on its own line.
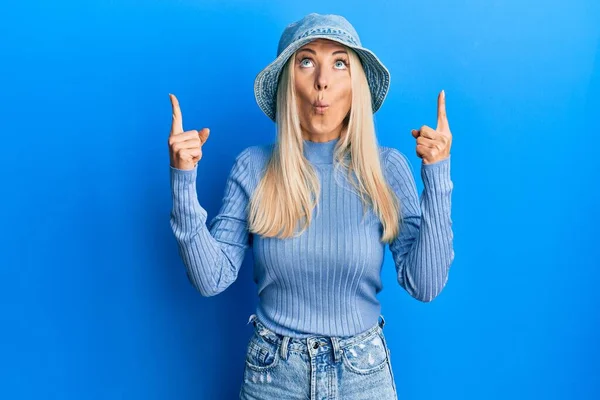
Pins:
<point x="204" y="133"/>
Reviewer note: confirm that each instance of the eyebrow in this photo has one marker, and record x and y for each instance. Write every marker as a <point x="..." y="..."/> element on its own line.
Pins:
<point x="314" y="52"/>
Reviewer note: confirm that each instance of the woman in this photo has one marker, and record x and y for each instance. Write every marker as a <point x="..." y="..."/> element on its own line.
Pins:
<point x="317" y="207"/>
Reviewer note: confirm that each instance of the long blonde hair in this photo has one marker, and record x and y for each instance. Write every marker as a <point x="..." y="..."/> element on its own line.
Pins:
<point x="288" y="191"/>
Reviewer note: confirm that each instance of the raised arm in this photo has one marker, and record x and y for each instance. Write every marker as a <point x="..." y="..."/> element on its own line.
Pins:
<point x="423" y="252"/>
<point x="212" y="254"/>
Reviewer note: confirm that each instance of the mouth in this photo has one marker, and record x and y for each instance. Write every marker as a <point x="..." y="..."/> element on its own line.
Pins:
<point x="320" y="107"/>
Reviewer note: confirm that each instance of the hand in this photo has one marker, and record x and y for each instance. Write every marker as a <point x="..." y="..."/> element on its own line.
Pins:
<point x="185" y="148"/>
<point x="434" y="145"/>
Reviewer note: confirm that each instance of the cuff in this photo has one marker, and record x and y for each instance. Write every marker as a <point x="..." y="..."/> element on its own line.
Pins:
<point x="184" y="175"/>
<point x="436" y="176"/>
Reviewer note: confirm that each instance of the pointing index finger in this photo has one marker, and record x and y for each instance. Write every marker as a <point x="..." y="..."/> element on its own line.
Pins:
<point x="442" y="123"/>
<point x="177" y="121"/>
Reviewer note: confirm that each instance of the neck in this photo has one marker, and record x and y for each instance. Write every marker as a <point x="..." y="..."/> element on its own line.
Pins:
<point x="319" y="152"/>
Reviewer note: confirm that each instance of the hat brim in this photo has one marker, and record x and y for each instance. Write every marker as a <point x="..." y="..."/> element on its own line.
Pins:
<point x="265" y="84"/>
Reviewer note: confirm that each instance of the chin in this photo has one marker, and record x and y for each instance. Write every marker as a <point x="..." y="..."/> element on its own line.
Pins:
<point x="324" y="127"/>
<point x="324" y="121"/>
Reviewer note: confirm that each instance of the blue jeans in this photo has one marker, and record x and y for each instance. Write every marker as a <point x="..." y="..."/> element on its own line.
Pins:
<point x="318" y="367"/>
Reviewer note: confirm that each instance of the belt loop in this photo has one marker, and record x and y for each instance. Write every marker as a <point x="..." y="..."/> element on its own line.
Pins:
<point x="284" y="347"/>
<point x="252" y="319"/>
<point x="382" y="323"/>
<point x="336" y="348"/>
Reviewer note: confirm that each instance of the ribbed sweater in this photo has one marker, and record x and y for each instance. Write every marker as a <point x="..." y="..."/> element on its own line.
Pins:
<point x="325" y="281"/>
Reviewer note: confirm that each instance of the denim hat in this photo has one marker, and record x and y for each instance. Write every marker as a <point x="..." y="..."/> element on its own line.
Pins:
<point x="309" y="28"/>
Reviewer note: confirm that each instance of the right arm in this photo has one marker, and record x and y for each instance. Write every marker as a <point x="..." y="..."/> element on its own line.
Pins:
<point x="212" y="254"/>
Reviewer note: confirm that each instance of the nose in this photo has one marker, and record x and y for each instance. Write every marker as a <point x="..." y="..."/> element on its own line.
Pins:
<point x="321" y="79"/>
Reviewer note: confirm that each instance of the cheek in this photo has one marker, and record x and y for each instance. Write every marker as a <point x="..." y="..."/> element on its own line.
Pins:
<point x="302" y="86"/>
<point x="344" y="100"/>
<point x="303" y="99"/>
<point x="344" y="92"/>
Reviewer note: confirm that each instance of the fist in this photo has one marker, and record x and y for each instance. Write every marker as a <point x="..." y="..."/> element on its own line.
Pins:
<point x="185" y="148"/>
<point x="433" y="145"/>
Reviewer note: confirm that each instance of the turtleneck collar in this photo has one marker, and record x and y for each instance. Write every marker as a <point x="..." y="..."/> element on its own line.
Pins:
<point x="320" y="152"/>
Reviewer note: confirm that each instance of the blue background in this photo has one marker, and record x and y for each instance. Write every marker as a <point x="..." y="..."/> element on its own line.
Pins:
<point x="95" y="302"/>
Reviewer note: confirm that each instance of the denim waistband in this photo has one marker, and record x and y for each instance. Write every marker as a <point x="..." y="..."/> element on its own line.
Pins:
<point x="301" y="344"/>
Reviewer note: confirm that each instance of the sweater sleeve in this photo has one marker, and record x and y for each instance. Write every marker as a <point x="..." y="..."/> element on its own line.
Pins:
<point x="213" y="253"/>
<point x="423" y="251"/>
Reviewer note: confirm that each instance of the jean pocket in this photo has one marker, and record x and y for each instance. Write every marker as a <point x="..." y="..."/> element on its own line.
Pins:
<point x="366" y="356"/>
<point x="261" y="354"/>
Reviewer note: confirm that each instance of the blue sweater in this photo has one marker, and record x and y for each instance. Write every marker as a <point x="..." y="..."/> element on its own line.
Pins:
<point x="326" y="281"/>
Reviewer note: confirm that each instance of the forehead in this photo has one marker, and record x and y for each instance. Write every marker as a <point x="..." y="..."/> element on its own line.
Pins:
<point x="324" y="44"/>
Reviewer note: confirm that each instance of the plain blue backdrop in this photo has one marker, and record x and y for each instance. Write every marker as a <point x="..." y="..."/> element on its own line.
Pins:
<point x="95" y="302"/>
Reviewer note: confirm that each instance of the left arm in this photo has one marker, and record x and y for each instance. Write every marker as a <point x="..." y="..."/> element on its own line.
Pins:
<point x="423" y="251"/>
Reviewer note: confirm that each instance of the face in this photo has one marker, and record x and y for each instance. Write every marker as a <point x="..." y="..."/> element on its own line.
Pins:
<point x="323" y="88"/>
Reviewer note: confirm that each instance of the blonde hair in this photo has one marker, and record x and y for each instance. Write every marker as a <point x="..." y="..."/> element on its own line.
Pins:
<point x="288" y="191"/>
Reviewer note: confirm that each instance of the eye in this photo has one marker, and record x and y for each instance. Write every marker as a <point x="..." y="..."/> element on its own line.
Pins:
<point x="343" y="63"/>
<point x="302" y="61"/>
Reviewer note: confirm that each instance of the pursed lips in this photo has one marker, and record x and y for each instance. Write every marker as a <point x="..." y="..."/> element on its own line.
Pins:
<point x="320" y="107"/>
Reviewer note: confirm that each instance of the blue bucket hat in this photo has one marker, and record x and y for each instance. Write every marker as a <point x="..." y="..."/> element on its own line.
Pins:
<point x="311" y="27"/>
